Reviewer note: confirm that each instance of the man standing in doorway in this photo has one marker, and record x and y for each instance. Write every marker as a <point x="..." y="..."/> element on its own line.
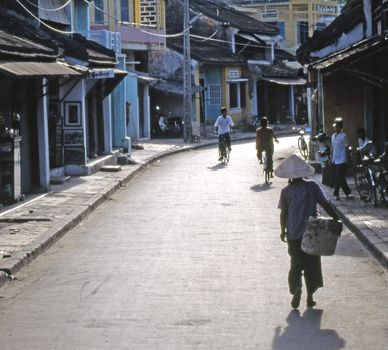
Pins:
<point x="339" y="142"/>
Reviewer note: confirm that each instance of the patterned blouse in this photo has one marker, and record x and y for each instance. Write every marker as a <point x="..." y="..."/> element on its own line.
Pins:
<point x="300" y="200"/>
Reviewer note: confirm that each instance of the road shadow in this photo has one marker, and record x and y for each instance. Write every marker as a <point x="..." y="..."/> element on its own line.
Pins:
<point x="261" y="187"/>
<point x="218" y="166"/>
<point x="303" y="332"/>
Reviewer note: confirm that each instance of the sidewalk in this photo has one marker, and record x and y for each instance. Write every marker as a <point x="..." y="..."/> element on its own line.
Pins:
<point x="30" y="228"/>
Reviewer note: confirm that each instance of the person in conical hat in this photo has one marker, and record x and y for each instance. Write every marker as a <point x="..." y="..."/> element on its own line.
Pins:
<point x="298" y="201"/>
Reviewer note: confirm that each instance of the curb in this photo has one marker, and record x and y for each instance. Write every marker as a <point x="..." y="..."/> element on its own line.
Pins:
<point x="360" y="233"/>
<point x="12" y="265"/>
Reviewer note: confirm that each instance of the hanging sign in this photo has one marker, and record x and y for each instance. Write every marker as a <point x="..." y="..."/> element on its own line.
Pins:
<point x="101" y="74"/>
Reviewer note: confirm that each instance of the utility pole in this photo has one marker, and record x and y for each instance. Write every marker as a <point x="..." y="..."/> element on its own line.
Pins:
<point x="187" y="94"/>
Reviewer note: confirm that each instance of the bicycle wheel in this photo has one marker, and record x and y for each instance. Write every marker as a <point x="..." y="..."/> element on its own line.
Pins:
<point x="265" y="167"/>
<point x="362" y="185"/>
<point x="384" y="187"/>
<point x="223" y="153"/>
<point x="372" y="188"/>
<point x="303" y="149"/>
<point x="267" y="175"/>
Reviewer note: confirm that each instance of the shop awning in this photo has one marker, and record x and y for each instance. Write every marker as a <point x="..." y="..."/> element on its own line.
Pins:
<point x="36" y="69"/>
<point x="352" y="54"/>
<point x="111" y="83"/>
<point x="284" y="81"/>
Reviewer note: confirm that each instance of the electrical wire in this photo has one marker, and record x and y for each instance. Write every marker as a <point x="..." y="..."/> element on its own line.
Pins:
<point x="226" y="41"/>
<point x="42" y="22"/>
<point x="139" y="24"/>
<point x="166" y="35"/>
<point x="52" y="9"/>
<point x="116" y="19"/>
<point x="211" y="36"/>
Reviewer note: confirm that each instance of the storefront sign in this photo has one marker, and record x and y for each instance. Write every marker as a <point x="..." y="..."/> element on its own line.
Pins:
<point x="101" y="74"/>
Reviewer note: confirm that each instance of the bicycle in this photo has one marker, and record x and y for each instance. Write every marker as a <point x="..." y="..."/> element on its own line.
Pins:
<point x="267" y="167"/>
<point x="223" y="150"/>
<point x="363" y="180"/>
<point x="371" y="178"/>
<point x="249" y="123"/>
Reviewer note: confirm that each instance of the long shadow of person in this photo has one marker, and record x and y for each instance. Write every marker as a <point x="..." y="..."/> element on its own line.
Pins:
<point x="261" y="187"/>
<point x="218" y="166"/>
<point x="305" y="333"/>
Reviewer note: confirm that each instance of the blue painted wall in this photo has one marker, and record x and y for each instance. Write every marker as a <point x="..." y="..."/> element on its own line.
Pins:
<point x="81" y="16"/>
<point x="212" y="76"/>
<point x="131" y="97"/>
<point x="118" y="110"/>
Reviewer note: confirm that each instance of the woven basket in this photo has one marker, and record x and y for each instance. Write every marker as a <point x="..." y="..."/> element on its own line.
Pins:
<point x="321" y="236"/>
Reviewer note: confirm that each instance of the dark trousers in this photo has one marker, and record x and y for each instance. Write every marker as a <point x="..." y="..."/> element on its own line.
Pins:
<point x="308" y="264"/>
<point x="340" y="179"/>
<point x="227" y="139"/>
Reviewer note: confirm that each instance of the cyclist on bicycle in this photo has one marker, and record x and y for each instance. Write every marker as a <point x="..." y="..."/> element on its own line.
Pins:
<point x="264" y="142"/>
<point x="224" y="124"/>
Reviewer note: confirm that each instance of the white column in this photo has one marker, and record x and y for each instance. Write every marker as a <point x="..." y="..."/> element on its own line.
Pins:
<point x="43" y="140"/>
<point x="106" y="110"/>
<point x="147" y="112"/>
<point x="254" y="100"/>
<point x="309" y="109"/>
<point x="292" y="103"/>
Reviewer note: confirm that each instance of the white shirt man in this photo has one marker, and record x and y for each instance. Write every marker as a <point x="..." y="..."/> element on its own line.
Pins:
<point x="339" y="141"/>
<point x="224" y="124"/>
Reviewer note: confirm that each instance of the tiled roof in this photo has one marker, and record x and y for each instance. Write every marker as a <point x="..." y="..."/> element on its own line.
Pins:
<point x="226" y="14"/>
<point x="209" y="52"/>
<point x="85" y="50"/>
<point x="352" y="14"/>
<point x="277" y="70"/>
<point x="22" y="41"/>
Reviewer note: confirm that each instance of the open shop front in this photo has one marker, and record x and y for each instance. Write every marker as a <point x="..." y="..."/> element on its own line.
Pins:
<point x="24" y="127"/>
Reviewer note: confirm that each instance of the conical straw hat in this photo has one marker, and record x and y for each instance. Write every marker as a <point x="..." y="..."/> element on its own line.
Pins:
<point x="293" y="168"/>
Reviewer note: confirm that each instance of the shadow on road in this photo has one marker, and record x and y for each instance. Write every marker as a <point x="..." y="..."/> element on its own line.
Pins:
<point x="303" y="332"/>
<point x="261" y="187"/>
<point x="218" y="166"/>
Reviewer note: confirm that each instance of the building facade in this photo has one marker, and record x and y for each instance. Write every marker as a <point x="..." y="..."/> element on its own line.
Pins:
<point x="296" y="19"/>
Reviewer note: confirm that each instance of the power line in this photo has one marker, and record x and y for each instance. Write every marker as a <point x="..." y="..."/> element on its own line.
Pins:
<point x="211" y="36"/>
<point x="42" y="22"/>
<point x="116" y="19"/>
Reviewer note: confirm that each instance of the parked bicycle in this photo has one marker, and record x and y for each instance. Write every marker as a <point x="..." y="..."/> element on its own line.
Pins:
<point x="371" y="178"/>
<point x="223" y="150"/>
<point x="248" y="123"/>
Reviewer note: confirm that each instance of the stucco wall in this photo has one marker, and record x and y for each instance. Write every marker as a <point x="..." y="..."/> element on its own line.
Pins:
<point x="166" y="64"/>
<point x="344" y="97"/>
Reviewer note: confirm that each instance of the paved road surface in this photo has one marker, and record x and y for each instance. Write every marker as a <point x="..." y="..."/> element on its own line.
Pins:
<point x="188" y="256"/>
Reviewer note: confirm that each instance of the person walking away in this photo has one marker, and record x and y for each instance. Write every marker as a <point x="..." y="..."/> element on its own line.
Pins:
<point x="339" y="142"/>
<point x="264" y="142"/>
<point x="298" y="201"/>
<point x="224" y="124"/>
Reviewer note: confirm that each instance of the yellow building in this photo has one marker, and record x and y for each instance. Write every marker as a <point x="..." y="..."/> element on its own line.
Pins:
<point x="141" y="23"/>
<point x="296" y="19"/>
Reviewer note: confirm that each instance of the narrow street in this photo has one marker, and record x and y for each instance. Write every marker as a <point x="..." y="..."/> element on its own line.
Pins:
<point x="188" y="256"/>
